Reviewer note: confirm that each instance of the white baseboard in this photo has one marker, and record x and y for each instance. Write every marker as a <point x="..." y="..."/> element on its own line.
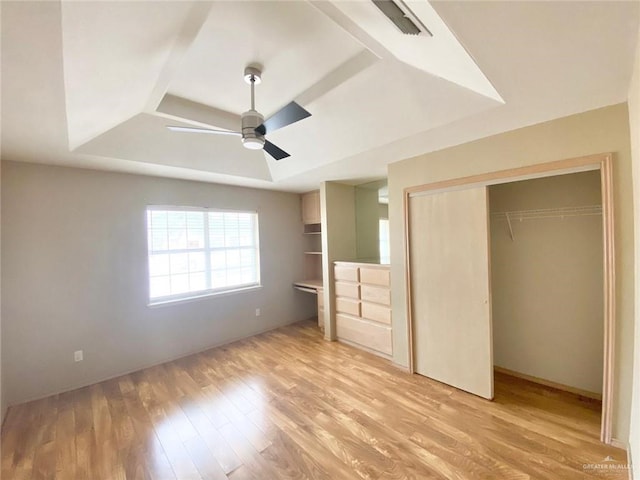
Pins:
<point x="618" y="444"/>
<point x="626" y="447"/>
<point x="401" y="367"/>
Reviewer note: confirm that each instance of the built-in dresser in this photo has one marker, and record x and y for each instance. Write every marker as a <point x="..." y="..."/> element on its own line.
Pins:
<point x="363" y="306"/>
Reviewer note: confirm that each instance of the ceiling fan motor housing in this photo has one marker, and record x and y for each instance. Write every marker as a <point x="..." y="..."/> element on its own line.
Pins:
<point x="251" y="120"/>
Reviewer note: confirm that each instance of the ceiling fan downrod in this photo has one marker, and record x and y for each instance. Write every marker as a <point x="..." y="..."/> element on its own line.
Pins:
<point x="251" y="119"/>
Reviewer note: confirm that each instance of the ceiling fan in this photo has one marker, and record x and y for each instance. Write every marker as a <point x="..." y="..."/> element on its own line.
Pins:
<point x="254" y="126"/>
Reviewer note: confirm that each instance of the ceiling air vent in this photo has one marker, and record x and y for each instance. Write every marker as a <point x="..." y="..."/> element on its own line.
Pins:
<point x="402" y="17"/>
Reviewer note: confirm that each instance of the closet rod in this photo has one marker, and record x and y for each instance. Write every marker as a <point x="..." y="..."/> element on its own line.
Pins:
<point x="549" y="213"/>
<point x="562" y="212"/>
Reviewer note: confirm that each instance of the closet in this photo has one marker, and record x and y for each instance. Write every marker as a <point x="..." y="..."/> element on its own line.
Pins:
<point x="513" y="272"/>
<point x="547" y="281"/>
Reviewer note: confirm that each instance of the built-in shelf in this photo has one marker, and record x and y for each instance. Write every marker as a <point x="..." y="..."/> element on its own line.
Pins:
<point x="310" y="205"/>
<point x="562" y="213"/>
<point x="312" y="228"/>
<point x="312" y="231"/>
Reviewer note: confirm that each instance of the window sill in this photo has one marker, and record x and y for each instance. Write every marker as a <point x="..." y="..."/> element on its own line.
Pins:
<point x="222" y="293"/>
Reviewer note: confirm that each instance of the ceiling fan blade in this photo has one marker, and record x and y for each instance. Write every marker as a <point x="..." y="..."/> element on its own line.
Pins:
<point x="175" y="128"/>
<point x="290" y="113"/>
<point x="275" y="151"/>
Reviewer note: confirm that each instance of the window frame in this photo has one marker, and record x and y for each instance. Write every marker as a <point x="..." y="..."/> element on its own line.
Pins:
<point x="207" y="250"/>
<point x="385" y="256"/>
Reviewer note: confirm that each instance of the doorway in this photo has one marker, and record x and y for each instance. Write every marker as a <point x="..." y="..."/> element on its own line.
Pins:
<point x="547" y="281"/>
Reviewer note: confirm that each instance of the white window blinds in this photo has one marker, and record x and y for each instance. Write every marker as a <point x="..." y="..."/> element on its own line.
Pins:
<point x="196" y="251"/>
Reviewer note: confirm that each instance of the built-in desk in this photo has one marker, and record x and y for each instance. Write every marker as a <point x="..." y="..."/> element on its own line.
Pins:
<point x="313" y="286"/>
<point x="310" y="286"/>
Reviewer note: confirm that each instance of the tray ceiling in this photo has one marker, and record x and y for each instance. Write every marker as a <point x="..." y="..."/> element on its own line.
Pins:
<point x="94" y="83"/>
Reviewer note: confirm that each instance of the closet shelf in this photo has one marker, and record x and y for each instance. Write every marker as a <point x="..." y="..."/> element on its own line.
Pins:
<point x="550" y="212"/>
<point x="562" y="212"/>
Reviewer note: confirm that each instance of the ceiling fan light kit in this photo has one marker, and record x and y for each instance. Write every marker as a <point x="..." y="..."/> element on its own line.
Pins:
<point x="254" y="127"/>
<point x="255" y="143"/>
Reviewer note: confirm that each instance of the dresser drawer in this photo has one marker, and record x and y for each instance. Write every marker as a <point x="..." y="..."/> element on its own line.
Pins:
<point x="379" y="295"/>
<point x="349" y="274"/>
<point x="374" y="336"/>
<point x="378" y="313"/>
<point x="347" y="305"/>
<point x="350" y="290"/>
<point x="375" y="276"/>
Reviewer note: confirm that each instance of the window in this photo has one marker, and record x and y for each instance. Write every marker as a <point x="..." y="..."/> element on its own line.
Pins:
<point x="383" y="229"/>
<point x="198" y="251"/>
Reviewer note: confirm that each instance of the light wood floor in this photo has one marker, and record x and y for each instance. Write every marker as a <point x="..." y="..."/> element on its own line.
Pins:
<point x="287" y="404"/>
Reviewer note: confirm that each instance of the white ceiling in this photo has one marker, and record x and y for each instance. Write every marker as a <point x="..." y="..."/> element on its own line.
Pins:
<point x="94" y="84"/>
<point x="294" y="44"/>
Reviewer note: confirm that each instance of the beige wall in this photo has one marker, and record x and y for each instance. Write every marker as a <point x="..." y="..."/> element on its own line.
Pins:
<point x="547" y="283"/>
<point x="602" y="130"/>
<point x="3" y="404"/>
<point x="74" y="276"/>
<point x="338" y="212"/>
<point x="634" y="122"/>
<point x="367" y="229"/>
<point x="383" y="211"/>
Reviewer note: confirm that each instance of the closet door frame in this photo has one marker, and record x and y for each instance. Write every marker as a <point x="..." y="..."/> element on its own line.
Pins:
<point x="601" y="162"/>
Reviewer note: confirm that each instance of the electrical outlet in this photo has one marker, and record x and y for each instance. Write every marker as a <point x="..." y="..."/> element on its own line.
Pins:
<point x="257" y="312"/>
<point x="78" y="356"/>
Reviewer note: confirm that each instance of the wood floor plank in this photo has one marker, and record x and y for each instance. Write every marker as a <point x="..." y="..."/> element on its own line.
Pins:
<point x="82" y="413"/>
<point x="289" y="405"/>
<point x="249" y="456"/>
<point x="86" y="456"/>
<point x="243" y="473"/>
<point x="44" y="464"/>
<point x="204" y="461"/>
<point x="221" y="451"/>
<point x="178" y="456"/>
<point x="286" y="454"/>
<point x="65" y="444"/>
<point x="307" y="442"/>
<point x="134" y="465"/>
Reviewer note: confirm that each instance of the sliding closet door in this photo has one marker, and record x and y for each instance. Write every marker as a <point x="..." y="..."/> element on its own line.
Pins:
<point x="450" y="291"/>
